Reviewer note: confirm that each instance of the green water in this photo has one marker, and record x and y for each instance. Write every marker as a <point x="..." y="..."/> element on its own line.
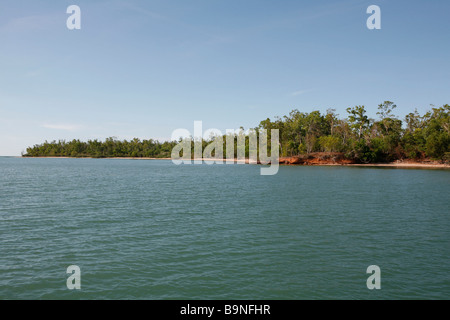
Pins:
<point x="154" y="230"/>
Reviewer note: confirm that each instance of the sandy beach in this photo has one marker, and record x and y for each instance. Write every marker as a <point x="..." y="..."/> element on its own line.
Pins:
<point x="431" y="165"/>
<point x="404" y="165"/>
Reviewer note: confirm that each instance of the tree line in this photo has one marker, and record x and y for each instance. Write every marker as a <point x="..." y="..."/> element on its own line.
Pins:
<point x="364" y="139"/>
<point x="357" y="136"/>
<point x="109" y="148"/>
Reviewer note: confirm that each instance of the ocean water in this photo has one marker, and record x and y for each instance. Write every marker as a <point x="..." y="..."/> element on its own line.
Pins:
<point x="142" y="229"/>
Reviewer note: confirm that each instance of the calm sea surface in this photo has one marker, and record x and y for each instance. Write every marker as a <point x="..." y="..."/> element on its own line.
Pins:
<point x="154" y="230"/>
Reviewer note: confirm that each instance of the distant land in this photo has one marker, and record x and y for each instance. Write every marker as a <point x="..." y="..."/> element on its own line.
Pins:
<point x="308" y="139"/>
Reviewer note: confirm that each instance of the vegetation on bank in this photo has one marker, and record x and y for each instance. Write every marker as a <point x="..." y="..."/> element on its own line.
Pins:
<point x="357" y="137"/>
<point x="363" y="139"/>
<point x="110" y="148"/>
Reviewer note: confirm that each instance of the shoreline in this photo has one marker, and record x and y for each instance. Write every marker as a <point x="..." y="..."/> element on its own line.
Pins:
<point x="402" y="165"/>
<point x="110" y="158"/>
<point x="386" y="165"/>
<point x="246" y="161"/>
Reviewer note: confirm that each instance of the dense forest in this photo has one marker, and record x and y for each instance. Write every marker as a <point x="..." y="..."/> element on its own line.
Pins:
<point x="102" y="149"/>
<point x="366" y="140"/>
<point x="357" y="137"/>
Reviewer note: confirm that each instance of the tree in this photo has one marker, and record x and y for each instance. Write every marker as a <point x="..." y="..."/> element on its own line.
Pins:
<point x="413" y="121"/>
<point x="386" y="109"/>
<point x="358" y="119"/>
<point x="357" y="136"/>
<point x="332" y="119"/>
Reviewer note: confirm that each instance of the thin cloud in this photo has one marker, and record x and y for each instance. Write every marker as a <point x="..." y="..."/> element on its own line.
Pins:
<point x="300" y="92"/>
<point x="32" y="23"/>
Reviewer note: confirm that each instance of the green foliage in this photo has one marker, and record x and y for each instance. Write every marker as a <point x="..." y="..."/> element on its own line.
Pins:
<point x="357" y="136"/>
<point x="362" y="152"/>
<point x="358" y="119"/>
<point x="437" y="145"/>
<point x="331" y="144"/>
<point x="107" y="149"/>
<point x="386" y="109"/>
<point x="379" y="150"/>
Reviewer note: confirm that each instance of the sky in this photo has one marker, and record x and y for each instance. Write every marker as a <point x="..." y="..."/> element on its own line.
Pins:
<point x="144" y="68"/>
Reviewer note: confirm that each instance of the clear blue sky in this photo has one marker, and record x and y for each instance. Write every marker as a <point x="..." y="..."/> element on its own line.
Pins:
<point x="144" y="68"/>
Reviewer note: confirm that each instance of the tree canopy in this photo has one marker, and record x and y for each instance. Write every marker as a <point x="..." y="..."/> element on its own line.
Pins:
<point x="357" y="136"/>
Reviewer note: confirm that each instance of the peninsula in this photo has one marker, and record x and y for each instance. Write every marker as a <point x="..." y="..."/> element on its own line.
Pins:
<point x="307" y="139"/>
